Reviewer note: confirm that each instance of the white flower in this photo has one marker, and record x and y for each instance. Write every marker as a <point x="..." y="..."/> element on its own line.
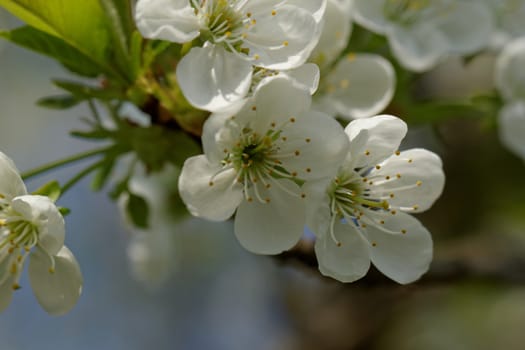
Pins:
<point x="255" y="162"/>
<point x="236" y="34"/>
<point x="358" y="85"/>
<point x="510" y="81"/>
<point x="363" y="213"/>
<point x="31" y="225"/>
<point x="421" y="32"/>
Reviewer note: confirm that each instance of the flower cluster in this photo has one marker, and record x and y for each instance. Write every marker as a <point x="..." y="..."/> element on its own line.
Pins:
<point x="31" y="225"/>
<point x="272" y="74"/>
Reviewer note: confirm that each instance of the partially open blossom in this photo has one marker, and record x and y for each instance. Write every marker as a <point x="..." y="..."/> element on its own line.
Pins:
<point x="152" y="251"/>
<point x="510" y="81"/>
<point x="31" y="226"/>
<point x="422" y="32"/>
<point x="363" y="214"/>
<point x="358" y="84"/>
<point x="235" y="35"/>
<point x="257" y="161"/>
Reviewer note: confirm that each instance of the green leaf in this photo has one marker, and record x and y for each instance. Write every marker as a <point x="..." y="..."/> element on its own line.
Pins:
<point x="81" y="24"/>
<point x="138" y="210"/>
<point x="96" y="134"/>
<point x="102" y="175"/>
<point x="120" y="22"/>
<point x="155" y="146"/>
<point x="50" y="189"/>
<point x="48" y="45"/>
<point x="84" y="92"/>
<point x="58" y="102"/>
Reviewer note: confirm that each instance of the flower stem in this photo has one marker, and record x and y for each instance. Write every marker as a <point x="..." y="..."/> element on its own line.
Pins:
<point x="58" y="163"/>
<point x="80" y="176"/>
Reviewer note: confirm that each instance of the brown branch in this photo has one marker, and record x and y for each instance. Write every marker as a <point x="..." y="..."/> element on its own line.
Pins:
<point x="508" y="271"/>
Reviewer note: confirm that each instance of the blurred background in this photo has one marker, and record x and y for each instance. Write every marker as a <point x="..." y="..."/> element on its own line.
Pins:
<point x="218" y="296"/>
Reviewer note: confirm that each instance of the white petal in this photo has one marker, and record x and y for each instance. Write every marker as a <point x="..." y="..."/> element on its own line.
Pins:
<point x="11" y="184"/>
<point x="216" y="202"/>
<point x="43" y="213"/>
<point x="271" y="228"/>
<point x="57" y="292"/>
<point x="370" y="14"/>
<point x="361" y="85"/>
<point x="316" y="146"/>
<point x="466" y="36"/>
<point x="383" y="136"/>
<point x="315" y="7"/>
<point x="307" y="75"/>
<point x="276" y="101"/>
<point x="420" y="183"/>
<point x="418" y="47"/>
<point x="210" y="138"/>
<point x="509" y="73"/>
<point x="212" y="78"/>
<point x="172" y="20"/>
<point x="348" y="262"/>
<point x="335" y="35"/>
<point x="401" y="257"/>
<point x="284" y="40"/>
<point x="512" y="127"/>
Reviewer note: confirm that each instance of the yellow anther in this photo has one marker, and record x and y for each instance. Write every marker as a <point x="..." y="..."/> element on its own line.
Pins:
<point x="419" y="183"/>
<point x="343" y="84"/>
<point x="350" y="57"/>
<point x="274" y="12"/>
<point x="285" y="43"/>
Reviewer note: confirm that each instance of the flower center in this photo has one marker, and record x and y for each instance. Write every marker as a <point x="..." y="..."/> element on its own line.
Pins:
<point x="17" y="237"/>
<point x="258" y="161"/>
<point x="223" y="23"/>
<point x="348" y="197"/>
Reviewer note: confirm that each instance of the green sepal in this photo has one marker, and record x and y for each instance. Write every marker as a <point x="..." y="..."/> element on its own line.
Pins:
<point x="51" y="189"/>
